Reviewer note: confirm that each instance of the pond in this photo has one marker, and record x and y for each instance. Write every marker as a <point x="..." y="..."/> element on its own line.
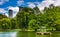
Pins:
<point x="7" y="34"/>
<point x="27" y="34"/>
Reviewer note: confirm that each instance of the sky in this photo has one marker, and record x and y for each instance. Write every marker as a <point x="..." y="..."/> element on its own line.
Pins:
<point x="5" y="5"/>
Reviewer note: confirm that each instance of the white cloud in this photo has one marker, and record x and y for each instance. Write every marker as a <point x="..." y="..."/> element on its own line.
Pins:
<point x="14" y="14"/>
<point x="15" y="10"/>
<point x="6" y="14"/>
<point x="2" y="10"/>
<point x="57" y="3"/>
<point x="46" y="3"/>
<point x="3" y="1"/>
<point x="20" y="2"/>
<point x="41" y="5"/>
<point x="31" y="4"/>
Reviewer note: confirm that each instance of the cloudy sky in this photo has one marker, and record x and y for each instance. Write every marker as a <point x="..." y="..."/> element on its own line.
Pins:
<point x="5" y="5"/>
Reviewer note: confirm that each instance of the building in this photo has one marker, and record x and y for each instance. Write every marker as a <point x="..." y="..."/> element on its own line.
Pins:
<point x="10" y="13"/>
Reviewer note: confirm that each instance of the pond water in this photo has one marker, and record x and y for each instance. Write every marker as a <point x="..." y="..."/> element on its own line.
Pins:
<point x="27" y="34"/>
<point x="7" y="34"/>
<point x="33" y="34"/>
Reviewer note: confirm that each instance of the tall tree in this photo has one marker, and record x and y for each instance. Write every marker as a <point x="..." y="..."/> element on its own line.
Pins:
<point x="23" y="17"/>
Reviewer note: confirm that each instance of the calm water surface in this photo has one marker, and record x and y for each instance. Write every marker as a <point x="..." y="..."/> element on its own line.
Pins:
<point x="7" y="34"/>
<point x="33" y="34"/>
<point x="27" y="34"/>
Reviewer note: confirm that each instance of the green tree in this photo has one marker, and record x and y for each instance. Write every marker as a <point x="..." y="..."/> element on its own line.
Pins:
<point x="14" y="24"/>
<point x="33" y="24"/>
<point x="5" y="23"/>
<point x="52" y="13"/>
<point x="23" y="17"/>
<point x="2" y="16"/>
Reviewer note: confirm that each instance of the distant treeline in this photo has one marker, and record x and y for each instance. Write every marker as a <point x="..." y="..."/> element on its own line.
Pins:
<point x="31" y="19"/>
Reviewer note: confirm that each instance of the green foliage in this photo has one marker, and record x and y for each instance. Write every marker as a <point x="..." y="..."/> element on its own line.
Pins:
<point x="14" y="24"/>
<point x="33" y="24"/>
<point x="5" y="23"/>
<point x="2" y="16"/>
<point x="27" y="19"/>
<point x="53" y="16"/>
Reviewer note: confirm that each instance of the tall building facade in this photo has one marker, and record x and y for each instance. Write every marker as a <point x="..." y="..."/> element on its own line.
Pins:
<point x="10" y="13"/>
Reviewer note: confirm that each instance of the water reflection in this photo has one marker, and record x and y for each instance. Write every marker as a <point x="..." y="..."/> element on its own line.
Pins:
<point x="26" y="34"/>
<point x="33" y="34"/>
<point x="7" y="34"/>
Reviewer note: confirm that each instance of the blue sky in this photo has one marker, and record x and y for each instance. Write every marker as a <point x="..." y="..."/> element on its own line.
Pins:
<point x="14" y="3"/>
<point x="5" y="5"/>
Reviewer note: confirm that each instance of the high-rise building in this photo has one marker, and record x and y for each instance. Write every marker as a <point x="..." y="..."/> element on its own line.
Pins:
<point x="10" y="13"/>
